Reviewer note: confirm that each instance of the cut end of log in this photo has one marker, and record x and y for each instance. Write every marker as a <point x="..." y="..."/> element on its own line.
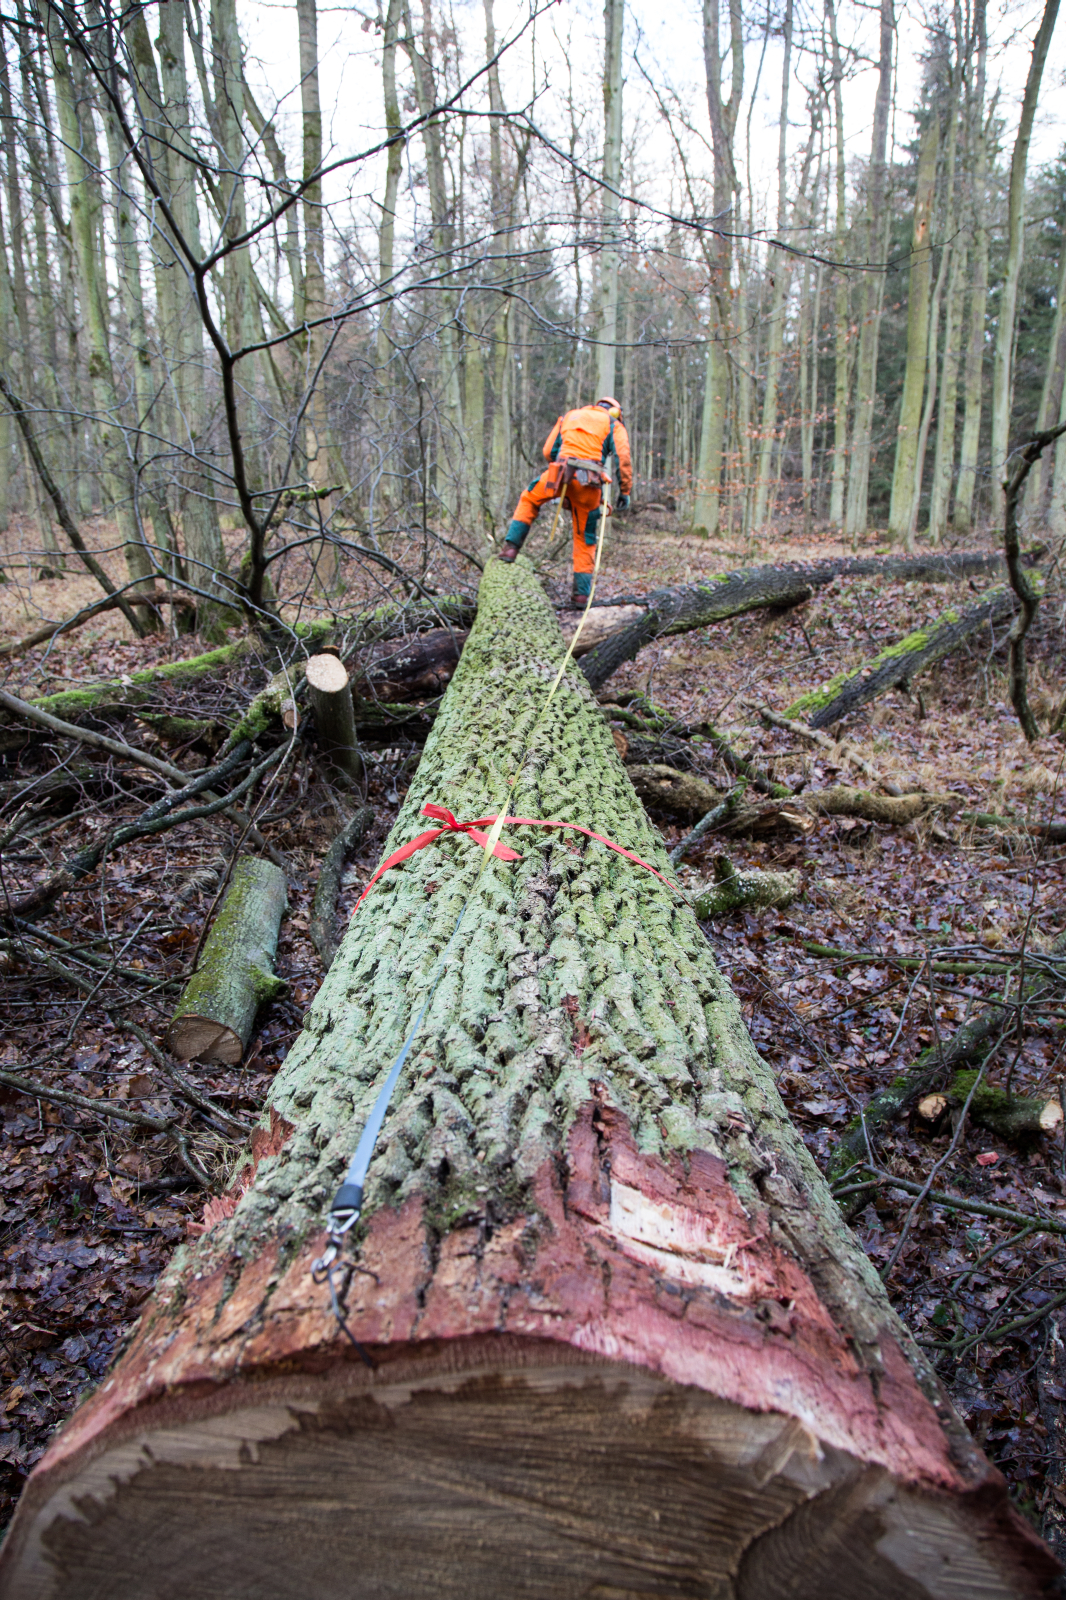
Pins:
<point x="1051" y="1116"/>
<point x="192" y="1038"/>
<point x="515" y="1470"/>
<point x="328" y="674"/>
<point x="932" y="1107"/>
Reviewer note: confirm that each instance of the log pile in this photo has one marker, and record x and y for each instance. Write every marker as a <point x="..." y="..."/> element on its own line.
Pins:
<point x="617" y="1339"/>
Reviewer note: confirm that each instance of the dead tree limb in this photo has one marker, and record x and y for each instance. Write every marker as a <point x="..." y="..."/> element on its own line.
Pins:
<point x="678" y="610"/>
<point x="1027" y="592"/>
<point x="52" y="630"/>
<point x="593" y="1253"/>
<point x="736" y="891"/>
<point x="327" y="889"/>
<point x="898" y="664"/>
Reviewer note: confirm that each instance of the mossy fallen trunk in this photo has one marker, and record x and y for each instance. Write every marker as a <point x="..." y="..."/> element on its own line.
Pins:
<point x="736" y="891"/>
<point x="900" y="663"/>
<point x="680" y="609"/>
<point x="622" y="1342"/>
<point x="1017" y="1118"/>
<point x="235" y="973"/>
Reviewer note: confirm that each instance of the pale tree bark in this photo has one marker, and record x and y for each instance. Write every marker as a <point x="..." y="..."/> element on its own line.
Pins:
<point x="723" y="119"/>
<point x="607" y="321"/>
<point x="1051" y="392"/>
<point x="1003" y="354"/>
<point x="387" y="246"/>
<point x="918" y="297"/>
<point x="841" y="361"/>
<point x="973" y="386"/>
<point x="873" y="293"/>
<point x="944" y="460"/>
<point x="166" y="107"/>
<point x="614" y="1336"/>
<point x="86" y="220"/>
<point x="782" y="276"/>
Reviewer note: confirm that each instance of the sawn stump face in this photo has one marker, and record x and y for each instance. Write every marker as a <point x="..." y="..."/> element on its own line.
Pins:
<point x="624" y="1344"/>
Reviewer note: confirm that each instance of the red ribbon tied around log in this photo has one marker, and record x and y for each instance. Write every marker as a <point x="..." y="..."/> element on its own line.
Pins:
<point x="504" y="852"/>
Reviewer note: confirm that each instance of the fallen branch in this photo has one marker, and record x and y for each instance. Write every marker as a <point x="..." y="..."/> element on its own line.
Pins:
<point x="678" y="610"/>
<point x="1028" y="595"/>
<point x="327" y="889"/>
<point x="52" y="630"/>
<point x="140" y="685"/>
<point x="706" y="823"/>
<point x="839" y="752"/>
<point x="735" y="890"/>
<point x="899" y="663"/>
<point x="1013" y="1117"/>
<point x="954" y="1202"/>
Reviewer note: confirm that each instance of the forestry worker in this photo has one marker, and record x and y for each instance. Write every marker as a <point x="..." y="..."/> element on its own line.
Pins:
<point x="579" y="449"/>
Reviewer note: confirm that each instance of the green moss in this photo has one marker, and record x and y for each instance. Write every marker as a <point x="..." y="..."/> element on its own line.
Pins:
<point x="70" y="702"/>
<point x="815" y="699"/>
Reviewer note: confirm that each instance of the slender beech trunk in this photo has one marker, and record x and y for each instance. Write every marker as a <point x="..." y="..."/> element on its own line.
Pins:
<point x="182" y="336"/>
<point x="621" y="1339"/>
<point x="944" y="459"/>
<point x="723" y="118"/>
<point x="840" y="291"/>
<point x="782" y="274"/>
<point x="1003" y="354"/>
<point x="973" y="377"/>
<point x="873" y="292"/>
<point x="1051" y="393"/>
<point x="918" y="297"/>
<point x="83" y="167"/>
<point x="607" y="321"/>
<point x="385" y="421"/>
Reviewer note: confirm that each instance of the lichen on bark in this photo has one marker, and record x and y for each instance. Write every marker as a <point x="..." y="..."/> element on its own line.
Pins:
<point x="576" y="973"/>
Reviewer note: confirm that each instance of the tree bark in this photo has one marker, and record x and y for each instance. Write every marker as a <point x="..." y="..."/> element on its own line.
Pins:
<point x="921" y="272"/>
<point x="975" y="347"/>
<point x="1003" y="356"/>
<point x="901" y="662"/>
<point x="622" y="1341"/>
<point x="607" y="321"/>
<point x="873" y="293"/>
<point x="235" y="973"/>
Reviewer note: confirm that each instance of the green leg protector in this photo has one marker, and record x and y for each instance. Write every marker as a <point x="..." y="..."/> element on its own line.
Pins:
<point x="583" y="583"/>
<point x="516" y="533"/>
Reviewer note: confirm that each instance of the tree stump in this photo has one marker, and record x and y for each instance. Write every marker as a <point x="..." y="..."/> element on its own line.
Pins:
<point x="331" y="705"/>
<point x="623" y="1344"/>
<point x="235" y="973"/>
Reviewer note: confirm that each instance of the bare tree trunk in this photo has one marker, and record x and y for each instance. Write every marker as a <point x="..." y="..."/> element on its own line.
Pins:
<point x="1003" y="355"/>
<point x="975" y="346"/>
<point x="607" y="321"/>
<point x="876" y="231"/>
<point x="921" y="272"/>
<point x="781" y="280"/>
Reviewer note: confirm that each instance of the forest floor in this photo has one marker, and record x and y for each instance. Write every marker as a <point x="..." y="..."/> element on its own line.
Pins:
<point x="91" y="1207"/>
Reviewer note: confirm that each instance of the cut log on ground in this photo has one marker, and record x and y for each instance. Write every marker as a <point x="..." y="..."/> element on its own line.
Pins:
<point x="331" y="705"/>
<point x="1017" y="1118"/>
<point x="324" y="911"/>
<point x="622" y="1342"/>
<point x="235" y="973"/>
<point x="678" y="610"/>
<point x="899" y="664"/>
<point x="419" y="666"/>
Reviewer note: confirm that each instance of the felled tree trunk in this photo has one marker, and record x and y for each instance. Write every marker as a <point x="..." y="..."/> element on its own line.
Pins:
<point x="235" y="973"/>
<point x="623" y="1343"/>
<point x="680" y="609"/>
<point x="900" y="663"/>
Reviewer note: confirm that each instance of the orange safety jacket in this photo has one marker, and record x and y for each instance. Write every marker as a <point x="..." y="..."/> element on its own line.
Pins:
<point x="591" y="434"/>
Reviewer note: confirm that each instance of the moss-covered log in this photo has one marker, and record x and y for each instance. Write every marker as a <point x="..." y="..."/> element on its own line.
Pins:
<point x="235" y="973"/>
<point x="622" y="1342"/>
<point x="735" y="891"/>
<point x="1017" y="1118"/>
<point x="899" y="664"/>
<point x="680" y="609"/>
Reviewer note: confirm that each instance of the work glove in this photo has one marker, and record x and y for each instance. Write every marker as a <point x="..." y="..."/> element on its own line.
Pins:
<point x="622" y="503"/>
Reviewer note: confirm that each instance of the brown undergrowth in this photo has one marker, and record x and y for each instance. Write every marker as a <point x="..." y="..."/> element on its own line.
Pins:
<point x="91" y="1206"/>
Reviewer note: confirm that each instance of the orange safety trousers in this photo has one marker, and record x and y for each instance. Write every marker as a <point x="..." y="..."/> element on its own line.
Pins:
<point x="582" y="498"/>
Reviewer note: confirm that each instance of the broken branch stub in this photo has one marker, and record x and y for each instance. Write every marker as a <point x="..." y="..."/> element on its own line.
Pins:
<point x="331" y="705"/>
<point x="235" y="975"/>
<point x="623" y="1343"/>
